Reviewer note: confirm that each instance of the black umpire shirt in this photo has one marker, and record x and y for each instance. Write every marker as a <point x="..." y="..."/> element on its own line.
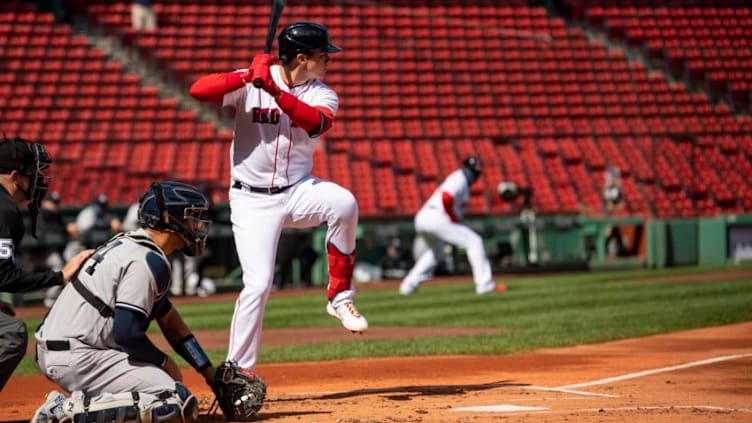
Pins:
<point x="13" y="279"/>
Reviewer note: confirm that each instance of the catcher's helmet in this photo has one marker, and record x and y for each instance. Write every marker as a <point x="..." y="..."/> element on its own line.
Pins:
<point x="304" y="37"/>
<point x="472" y="168"/>
<point x="180" y="208"/>
<point x="30" y="159"/>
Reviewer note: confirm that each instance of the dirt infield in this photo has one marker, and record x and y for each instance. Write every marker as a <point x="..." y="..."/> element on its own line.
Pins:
<point x="702" y="375"/>
<point x="694" y="376"/>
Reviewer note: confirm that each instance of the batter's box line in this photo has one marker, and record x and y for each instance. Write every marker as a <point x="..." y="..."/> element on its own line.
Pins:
<point x="672" y="407"/>
<point x="572" y="388"/>
<point x="651" y="372"/>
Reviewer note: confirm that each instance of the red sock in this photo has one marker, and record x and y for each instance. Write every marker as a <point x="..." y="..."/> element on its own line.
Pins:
<point x="340" y="271"/>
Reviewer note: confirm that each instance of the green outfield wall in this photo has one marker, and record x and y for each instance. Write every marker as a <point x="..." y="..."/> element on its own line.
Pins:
<point x="549" y="243"/>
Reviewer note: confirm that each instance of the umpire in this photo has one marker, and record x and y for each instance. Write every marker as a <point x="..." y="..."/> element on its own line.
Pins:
<point x="22" y="180"/>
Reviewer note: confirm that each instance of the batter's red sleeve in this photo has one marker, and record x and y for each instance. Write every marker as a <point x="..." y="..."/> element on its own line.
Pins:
<point x="212" y="88"/>
<point x="315" y="120"/>
<point x="448" y="202"/>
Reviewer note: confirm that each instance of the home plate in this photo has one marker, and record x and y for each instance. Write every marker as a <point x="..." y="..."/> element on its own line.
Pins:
<point x="501" y="408"/>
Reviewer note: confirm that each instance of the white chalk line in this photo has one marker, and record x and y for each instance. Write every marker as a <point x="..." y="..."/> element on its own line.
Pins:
<point x="671" y="407"/>
<point x="570" y="390"/>
<point x="506" y="408"/>
<point x="655" y="371"/>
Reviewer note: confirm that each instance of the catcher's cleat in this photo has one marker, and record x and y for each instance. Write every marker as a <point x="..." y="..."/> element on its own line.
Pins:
<point x="349" y="316"/>
<point x="52" y="409"/>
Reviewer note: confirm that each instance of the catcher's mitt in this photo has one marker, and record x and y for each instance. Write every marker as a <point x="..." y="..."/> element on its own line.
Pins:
<point x="239" y="395"/>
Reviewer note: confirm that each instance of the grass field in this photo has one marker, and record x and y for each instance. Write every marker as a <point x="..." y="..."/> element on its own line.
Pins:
<point x="535" y="312"/>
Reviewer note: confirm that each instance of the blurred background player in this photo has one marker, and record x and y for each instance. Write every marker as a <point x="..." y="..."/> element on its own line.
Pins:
<point x="94" y="337"/>
<point x="97" y="218"/>
<point x="22" y="180"/>
<point x="396" y="260"/>
<point x="276" y="133"/>
<point x="143" y="15"/>
<point x="613" y="204"/>
<point x="439" y="221"/>
<point x="295" y="244"/>
<point x="52" y="225"/>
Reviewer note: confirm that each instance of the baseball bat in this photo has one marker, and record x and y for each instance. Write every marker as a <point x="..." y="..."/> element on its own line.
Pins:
<point x="277" y="6"/>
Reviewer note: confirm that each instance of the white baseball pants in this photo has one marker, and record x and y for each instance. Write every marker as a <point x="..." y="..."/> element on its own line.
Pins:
<point x="257" y="222"/>
<point x="435" y="227"/>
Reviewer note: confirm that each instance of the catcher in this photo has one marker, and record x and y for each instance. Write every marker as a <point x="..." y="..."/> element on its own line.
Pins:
<point x="93" y="341"/>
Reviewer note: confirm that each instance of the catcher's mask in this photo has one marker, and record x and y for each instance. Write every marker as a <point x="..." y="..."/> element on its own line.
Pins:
<point x="31" y="160"/>
<point x="472" y="168"/>
<point x="180" y="208"/>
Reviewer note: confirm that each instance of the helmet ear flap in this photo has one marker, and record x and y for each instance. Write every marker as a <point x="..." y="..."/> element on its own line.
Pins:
<point x="159" y="198"/>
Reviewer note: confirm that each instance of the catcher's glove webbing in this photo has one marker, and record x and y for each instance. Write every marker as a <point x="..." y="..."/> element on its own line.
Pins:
<point x="239" y="395"/>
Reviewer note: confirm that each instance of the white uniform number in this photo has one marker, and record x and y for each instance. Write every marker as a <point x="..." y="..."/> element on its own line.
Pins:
<point x="6" y="248"/>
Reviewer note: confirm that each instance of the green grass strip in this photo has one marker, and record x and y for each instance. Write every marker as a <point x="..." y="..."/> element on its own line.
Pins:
<point x="535" y="312"/>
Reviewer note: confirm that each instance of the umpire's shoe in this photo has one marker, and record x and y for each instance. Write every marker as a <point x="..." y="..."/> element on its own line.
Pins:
<point x="52" y="409"/>
<point x="349" y="316"/>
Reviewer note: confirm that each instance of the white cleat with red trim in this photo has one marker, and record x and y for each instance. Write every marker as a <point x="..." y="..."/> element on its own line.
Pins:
<point x="349" y="316"/>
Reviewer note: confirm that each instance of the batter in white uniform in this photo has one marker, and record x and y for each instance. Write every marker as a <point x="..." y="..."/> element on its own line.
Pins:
<point x="439" y="221"/>
<point x="276" y="133"/>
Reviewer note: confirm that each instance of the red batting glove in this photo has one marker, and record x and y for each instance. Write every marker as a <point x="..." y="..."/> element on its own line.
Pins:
<point x="260" y="70"/>
<point x="247" y="76"/>
<point x="264" y="59"/>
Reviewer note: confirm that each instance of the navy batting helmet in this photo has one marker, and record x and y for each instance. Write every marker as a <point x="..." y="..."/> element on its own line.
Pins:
<point x="30" y="159"/>
<point x="472" y="168"/>
<point x="180" y="208"/>
<point x="304" y="37"/>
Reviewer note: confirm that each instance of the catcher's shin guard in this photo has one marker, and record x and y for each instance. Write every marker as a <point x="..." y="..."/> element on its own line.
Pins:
<point x="340" y="271"/>
<point x="121" y="408"/>
<point x="177" y="406"/>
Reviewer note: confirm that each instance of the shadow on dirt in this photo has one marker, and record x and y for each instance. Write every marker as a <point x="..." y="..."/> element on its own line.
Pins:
<point x="405" y="393"/>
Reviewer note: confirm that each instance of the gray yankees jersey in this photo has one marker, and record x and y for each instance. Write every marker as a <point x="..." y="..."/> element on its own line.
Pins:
<point x="128" y="271"/>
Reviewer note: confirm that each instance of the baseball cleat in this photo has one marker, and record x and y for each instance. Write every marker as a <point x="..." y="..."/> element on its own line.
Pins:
<point x="349" y="316"/>
<point x="485" y="289"/>
<point x="406" y="289"/>
<point x="52" y="409"/>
